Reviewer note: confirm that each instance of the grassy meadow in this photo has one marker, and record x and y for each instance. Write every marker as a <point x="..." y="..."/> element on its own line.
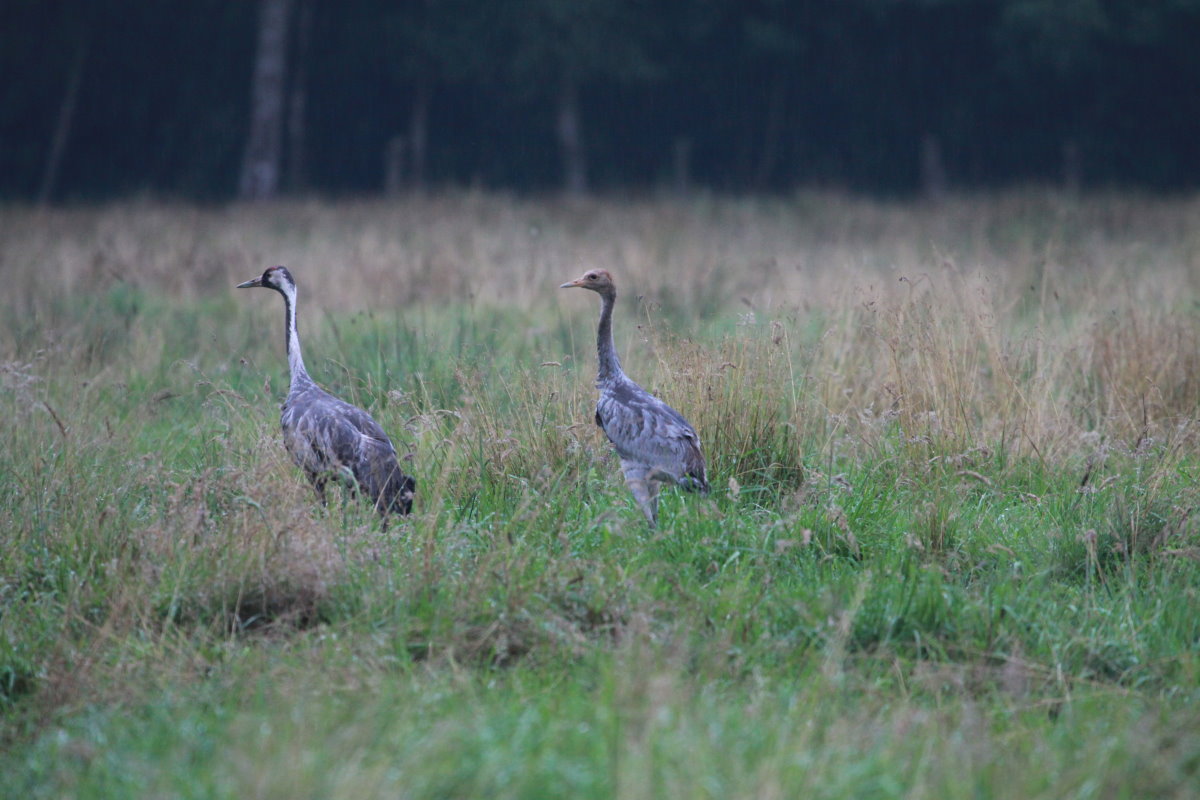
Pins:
<point x="951" y="551"/>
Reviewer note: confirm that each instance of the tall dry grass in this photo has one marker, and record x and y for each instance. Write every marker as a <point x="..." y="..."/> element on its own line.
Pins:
<point x="1029" y="323"/>
<point x="791" y="332"/>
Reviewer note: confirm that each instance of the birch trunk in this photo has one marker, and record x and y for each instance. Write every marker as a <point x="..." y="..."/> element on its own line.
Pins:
<point x="297" y="132"/>
<point x="62" y="129"/>
<point x="418" y="134"/>
<point x="570" y="140"/>
<point x="263" y="160"/>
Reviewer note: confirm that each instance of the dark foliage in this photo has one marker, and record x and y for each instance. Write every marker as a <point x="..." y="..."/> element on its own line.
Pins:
<point x="764" y="95"/>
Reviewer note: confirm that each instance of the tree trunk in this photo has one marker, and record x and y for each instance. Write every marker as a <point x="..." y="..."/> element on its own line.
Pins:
<point x="418" y="133"/>
<point x="1072" y="167"/>
<point x="570" y="140"/>
<point x="933" y="170"/>
<point x="297" y="149"/>
<point x="394" y="159"/>
<point x="681" y="166"/>
<point x="264" y="145"/>
<point x="62" y="128"/>
<point x="771" y="134"/>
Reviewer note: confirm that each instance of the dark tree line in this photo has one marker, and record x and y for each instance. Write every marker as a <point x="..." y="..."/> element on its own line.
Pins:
<point x="211" y="99"/>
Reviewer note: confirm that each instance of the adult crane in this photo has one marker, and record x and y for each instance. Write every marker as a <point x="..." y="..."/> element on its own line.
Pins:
<point x="655" y="443"/>
<point x="329" y="438"/>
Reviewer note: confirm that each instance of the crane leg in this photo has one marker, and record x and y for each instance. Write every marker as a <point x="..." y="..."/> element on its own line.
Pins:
<point x="644" y="489"/>
<point x="318" y="484"/>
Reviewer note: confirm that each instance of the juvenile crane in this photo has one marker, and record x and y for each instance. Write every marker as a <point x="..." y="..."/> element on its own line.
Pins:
<point x="655" y="443"/>
<point x="328" y="437"/>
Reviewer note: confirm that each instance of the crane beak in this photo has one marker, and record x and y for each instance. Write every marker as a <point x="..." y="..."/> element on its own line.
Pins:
<point x="572" y="284"/>
<point x="250" y="283"/>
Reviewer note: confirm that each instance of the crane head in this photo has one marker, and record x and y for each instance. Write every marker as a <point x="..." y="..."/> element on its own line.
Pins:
<point x="272" y="278"/>
<point x="598" y="280"/>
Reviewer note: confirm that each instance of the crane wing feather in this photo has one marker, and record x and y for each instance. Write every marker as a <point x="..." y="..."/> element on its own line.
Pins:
<point x="646" y="430"/>
<point x="325" y="434"/>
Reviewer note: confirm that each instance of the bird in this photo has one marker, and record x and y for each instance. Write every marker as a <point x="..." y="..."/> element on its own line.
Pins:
<point x="328" y="438"/>
<point x="655" y="443"/>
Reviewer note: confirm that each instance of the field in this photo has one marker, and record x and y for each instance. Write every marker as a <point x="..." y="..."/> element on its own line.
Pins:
<point x="951" y="551"/>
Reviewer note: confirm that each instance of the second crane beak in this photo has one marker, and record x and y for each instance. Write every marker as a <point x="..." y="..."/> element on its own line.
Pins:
<point x="250" y="283"/>
<point x="571" y="284"/>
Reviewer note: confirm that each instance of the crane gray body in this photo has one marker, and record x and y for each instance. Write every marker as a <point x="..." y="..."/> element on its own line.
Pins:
<point x="650" y="437"/>
<point x="332" y="440"/>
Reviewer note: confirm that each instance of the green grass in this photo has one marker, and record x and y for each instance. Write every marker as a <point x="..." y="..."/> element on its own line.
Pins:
<point x="950" y="549"/>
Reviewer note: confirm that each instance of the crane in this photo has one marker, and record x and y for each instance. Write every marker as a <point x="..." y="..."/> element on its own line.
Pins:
<point x="329" y="438"/>
<point x="655" y="443"/>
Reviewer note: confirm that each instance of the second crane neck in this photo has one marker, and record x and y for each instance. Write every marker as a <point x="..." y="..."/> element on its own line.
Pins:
<point x="610" y="365"/>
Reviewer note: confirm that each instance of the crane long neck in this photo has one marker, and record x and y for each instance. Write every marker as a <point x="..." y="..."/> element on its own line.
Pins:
<point x="610" y="365"/>
<point x="292" y="338"/>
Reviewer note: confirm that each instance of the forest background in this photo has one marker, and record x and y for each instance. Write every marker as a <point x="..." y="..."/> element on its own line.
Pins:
<point x="196" y="100"/>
